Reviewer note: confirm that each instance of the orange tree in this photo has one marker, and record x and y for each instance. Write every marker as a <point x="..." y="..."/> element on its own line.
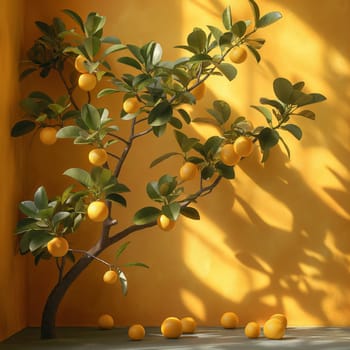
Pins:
<point x="154" y="96"/>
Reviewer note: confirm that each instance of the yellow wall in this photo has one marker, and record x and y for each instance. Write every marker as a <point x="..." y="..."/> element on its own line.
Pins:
<point x="273" y="240"/>
<point x="12" y="266"/>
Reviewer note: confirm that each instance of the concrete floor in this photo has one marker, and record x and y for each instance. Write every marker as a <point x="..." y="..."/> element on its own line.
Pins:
<point x="319" y="338"/>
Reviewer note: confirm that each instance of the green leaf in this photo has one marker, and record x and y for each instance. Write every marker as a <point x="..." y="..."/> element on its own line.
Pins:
<point x="76" y="18"/>
<point x="185" y="143"/>
<point x="60" y="216"/>
<point x="26" y="224"/>
<point x="123" y="282"/>
<point x="26" y="72"/>
<point x="92" y="46"/>
<point x="198" y="40"/>
<point x="268" y="19"/>
<point x="307" y="114"/>
<point x="239" y="28"/>
<point x="265" y="112"/>
<point x="274" y="103"/>
<point x="121" y="249"/>
<point x="221" y="111"/>
<point x="146" y="215"/>
<point x="160" y="114"/>
<point x="159" y="130"/>
<point x="117" y="198"/>
<point x="112" y="49"/>
<point x="28" y="208"/>
<point x="172" y="210"/>
<point x="22" y="127"/>
<point x="228" y="70"/>
<point x="268" y="138"/>
<point x="94" y="23"/>
<point x="207" y="172"/>
<point x="39" y="240"/>
<point x="216" y="32"/>
<point x="140" y="264"/>
<point x="255" y="53"/>
<point x="153" y="191"/>
<point x="185" y="116"/>
<point x="225" y="171"/>
<point x="70" y="131"/>
<point x="294" y="130"/>
<point x="107" y="91"/>
<point x="130" y="62"/>
<point x="227" y="18"/>
<point x="285" y="147"/>
<point x="255" y="9"/>
<point x="283" y="89"/>
<point x="164" y="157"/>
<point x="100" y="176"/>
<point x="91" y="116"/>
<point x="200" y="58"/>
<point x="314" y="98"/>
<point x="80" y="175"/>
<point x="226" y="39"/>
<point x="40" y="198"/>
<point x="190" y="212"/>
<point x="212" y="145"/>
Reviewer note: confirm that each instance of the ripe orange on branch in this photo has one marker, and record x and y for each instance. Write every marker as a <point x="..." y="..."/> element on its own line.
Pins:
<point x="47" y="135"/>
<point x="165" y="223"/>
<point x="79" y="64"/>
<point x="228" y="155"/>
<point x="110" y="277"/>
<point x="97" y="211"/>
<point x="243" y="146"/>
<point x="87" y="81"/>
<point x="238" y="54"/>
<point x="58" y="247"/>
<point x="98" y="156"/>
<point x="188" y="171"/>
<point x="131" y="105"/>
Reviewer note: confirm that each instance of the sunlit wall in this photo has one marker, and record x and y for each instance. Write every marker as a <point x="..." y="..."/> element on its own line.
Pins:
<point x="275" y="239"/>
<point x="12" y="266"/>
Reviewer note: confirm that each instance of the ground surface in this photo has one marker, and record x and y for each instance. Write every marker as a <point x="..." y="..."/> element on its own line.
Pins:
<point x="204" y="338"/>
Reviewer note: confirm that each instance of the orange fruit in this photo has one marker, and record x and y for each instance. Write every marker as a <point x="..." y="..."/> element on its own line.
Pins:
<point x="188" y="325"/>
<point x="252" y="330"/>
<point x="165" y="223"/>
<point x="87" y="81"/>
<point x="188" y="171"/>
<point x="243" y="146"/>
<point x="98" y="156"/>
<point x="274" y="329"/>
<point x="136" y="332"/>
<point x="281" y="317"/>
<point x="238" y="54"/>
<point x="228" y="155"/>
<point x="110" y="277"/>
<point x="199" y="91"/>
<point x="79" y="64"/>
<point x="171" y="328"/>
<point x="48" y="135"/>
<point x="58" y="247"/>
<point x="131" y="105"/>
<point x="105" y="321"/>
<point x="97" y="211"/>
<point x="229" y="320"/>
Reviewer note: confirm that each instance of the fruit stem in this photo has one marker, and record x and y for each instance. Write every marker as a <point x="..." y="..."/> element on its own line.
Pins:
<point x="85" y="252"/>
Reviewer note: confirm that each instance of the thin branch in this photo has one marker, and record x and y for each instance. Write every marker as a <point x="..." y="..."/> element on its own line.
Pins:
<point x="69" y="90"/>
<point x="142" y="133"/>
<point x="118" y="138"/>
<point x="84" y="252"/>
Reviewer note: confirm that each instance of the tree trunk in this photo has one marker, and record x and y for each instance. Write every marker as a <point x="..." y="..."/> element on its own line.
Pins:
<point x="48" y="320"/>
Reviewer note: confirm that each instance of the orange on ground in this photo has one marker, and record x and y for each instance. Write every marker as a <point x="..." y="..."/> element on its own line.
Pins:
<point x="79" y="64"/>
<point x="58" y="247"/>
<point x="243" y="146"/>
<point x="199" y="91"/>
<point x="252" y="330"/>
<point x="188" y="324"/>
<point x="97" y="211"/>
<point x="87" y="81"/>
<point x="131" y="105"/>
<point x="165" y="223"/>
<point x="105" y="321"/>
<point x="110" y="277"/>
<point x="274" y="329"/>
<point x="98" y="156"/>
<point x="188" y="171"/>
<point x="171" y="328"/>
<point x="47" y="135"/>
<point x="136" y="332"/>
<point x="228" y="156"/>
<point x="238" y="54"/>
<point x="229" y="320"/>
<point x="281" y="317"/>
